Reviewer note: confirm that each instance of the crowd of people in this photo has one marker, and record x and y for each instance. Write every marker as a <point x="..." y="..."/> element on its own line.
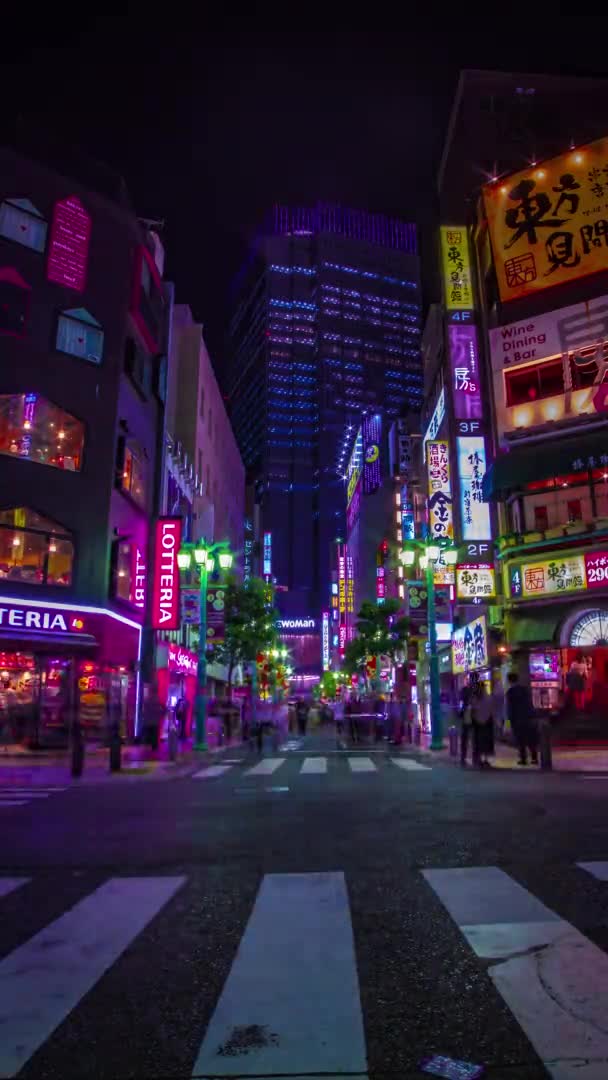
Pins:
<point x="482" y="716"/>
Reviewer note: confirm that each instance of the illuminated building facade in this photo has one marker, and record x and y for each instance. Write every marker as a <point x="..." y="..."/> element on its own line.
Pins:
<point x="83" y="369"/>
<point x="515" y="372"/>
<point x="327" y="326"/>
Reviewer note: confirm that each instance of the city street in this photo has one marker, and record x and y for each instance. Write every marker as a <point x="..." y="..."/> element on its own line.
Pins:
<point x="315" y="913"/>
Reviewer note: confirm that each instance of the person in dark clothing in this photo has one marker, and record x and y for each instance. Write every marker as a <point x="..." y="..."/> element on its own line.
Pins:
<point x="520" y="712"/>
<point x="302" y="716"/>
<point x="181" y="716"/>
<point x="467" y="734"/>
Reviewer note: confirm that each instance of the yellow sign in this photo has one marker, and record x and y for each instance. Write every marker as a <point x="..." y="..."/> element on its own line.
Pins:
<point x="456" y="267"/>
<point x="475" y="581"/>
<point x="441" y="520"/>
<point x="547" y="577"/>
<point x="549" y="224"/>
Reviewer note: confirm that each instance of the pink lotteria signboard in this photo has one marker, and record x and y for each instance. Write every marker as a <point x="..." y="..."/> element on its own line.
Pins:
<point x="69" y="244"/>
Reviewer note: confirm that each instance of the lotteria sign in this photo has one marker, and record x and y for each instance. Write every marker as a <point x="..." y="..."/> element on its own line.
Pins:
<point x="41" y="619"/>
<point x="165" y="584"/>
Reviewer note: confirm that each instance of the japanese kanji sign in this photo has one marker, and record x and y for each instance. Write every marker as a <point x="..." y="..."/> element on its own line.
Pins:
<point x="546" y="577"/>
<point x="596" y="568"/>
<point x="549" y="223"/>
<point x="475" y="581"/>
<point x="470" y="647"/>
<point x="475" y="513"/>
<point x="456" y="267"/>
<point x="441" y="521"/>
<point x="464" y="365"/>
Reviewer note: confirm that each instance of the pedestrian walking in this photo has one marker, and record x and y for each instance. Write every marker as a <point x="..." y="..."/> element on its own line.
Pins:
<point x="302" y="715"/>
<point x="483" y="721"/>
<point x="520" y="713"/>
<point x="467" y="734"/>
<point x="181" y="716"/>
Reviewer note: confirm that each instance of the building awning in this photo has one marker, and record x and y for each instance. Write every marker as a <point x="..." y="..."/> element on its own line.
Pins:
<point x="515" y="468"/>
<point x="535" y="624"/>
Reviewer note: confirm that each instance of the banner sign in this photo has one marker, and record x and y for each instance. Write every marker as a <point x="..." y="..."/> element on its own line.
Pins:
<point x="441" y="521"/>
<point x="475" y="581"/>
<point x="372" y="432"/>
<point x="325" y="641"/>
<point x="354" y="467"/>
<point x="191" y="613"/>
<point x="470" y="647"/>
<point x="561" y="574"/>
<point x="69" y="244"/>
<point x="475" y="513"/>
<point x="435" y="422"/>
<point x="464" y="365"/>
<point x="216" y="614"/>
<point x="267" y="554"/>
<point x="549" y="223"/>
<point x="165" y="582"/>
<point x="456" y="268"/>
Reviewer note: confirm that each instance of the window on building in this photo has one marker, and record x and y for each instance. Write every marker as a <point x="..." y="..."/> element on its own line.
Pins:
<point x="133" y="471"/>
<point x="35" y="429"/>
<point x="14" y="302"/>
<point x="541" y="518"/>
<point x="575" y="510"/>
<point x="21" y="222"/>
<point x="138" y="365"/>
<point x="34" y="549"/>
<point x="79" y="334"/>
<point x="531" y="383"/>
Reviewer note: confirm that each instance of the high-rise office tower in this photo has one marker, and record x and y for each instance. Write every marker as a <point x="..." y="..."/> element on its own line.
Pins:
<point x="326" y="325"/>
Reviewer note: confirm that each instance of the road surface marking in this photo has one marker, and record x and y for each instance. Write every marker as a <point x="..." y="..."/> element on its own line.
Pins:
<point x="211" y="771"/>
<point x="13" y="802"/>
<point x="292" y="995"/>
<point x="8" y="794"/>
<point x="361" y="764"/>
<point x="265" y="767"/>
<point x="553" y="979"/>
<point x="44" y="979"/>
<point x="599" y="870"/>
<point x="9" y="884"/>
<point x="314" y="765"/>
<point x="411" y="765"/>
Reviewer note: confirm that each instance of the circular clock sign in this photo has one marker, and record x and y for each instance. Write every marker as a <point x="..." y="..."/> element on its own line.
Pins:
<point x="591" y="629"/>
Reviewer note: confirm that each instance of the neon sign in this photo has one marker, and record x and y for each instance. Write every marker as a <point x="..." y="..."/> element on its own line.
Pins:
<point x="267" y="547"/>
<point x="475" y="513"/>
<point x="50" y="619"/>
<point x="296" y="624"/>
<point x="138" y="578"/>
<point x="165" y="584"/>
<point x="372" y="431"/>
<point x="464" y="363"/>
<point x="69" y="244"/>
<point x="440" y="491"/>
<point x="325" y="641"/>
<point x="182" y="660"/>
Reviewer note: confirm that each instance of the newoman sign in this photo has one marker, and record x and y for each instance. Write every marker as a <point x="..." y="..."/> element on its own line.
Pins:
<point x="165" y="583"/>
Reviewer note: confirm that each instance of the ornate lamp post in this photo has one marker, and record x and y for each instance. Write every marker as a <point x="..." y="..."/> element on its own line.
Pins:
<point x="203" y="555"/>
<point x="429" y="554"/>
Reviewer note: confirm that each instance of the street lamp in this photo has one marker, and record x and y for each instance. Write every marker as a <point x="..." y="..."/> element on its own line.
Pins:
<point x="203" y="556"/>
<point x="429" y="553"/>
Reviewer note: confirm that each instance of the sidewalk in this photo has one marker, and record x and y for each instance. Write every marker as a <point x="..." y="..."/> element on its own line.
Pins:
<point x="564" y="760"/>
<point x="138" y="763"/>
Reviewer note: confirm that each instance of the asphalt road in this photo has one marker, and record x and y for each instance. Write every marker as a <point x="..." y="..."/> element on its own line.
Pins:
<point x="293" y="923"/>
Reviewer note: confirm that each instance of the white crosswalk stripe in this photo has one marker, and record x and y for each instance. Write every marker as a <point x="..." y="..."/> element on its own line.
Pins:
<point x="410" y="765"/>
<point x="265" y="767"/>
<point x="63" y="962"/>
<point x="314" y="766"/>
<point x="211" y="771"/>
<point x="20" y="796"/>
<point x="361" y="764"/>
<point x="553" y="979"/>
<point x="598" y="870"/>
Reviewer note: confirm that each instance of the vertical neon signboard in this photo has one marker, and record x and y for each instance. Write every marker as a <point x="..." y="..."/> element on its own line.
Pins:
<point x="464" y="366"/>
<point x="441" y="519"/>
<point x="372" y="432"/>
<point x="475" y="513"/>
<point x="69" y="244"/>
<point x="342" y="597"/>
<point x="267" y="553"/>
<point x="165" y="582"/>
<point x="325" y="641"/>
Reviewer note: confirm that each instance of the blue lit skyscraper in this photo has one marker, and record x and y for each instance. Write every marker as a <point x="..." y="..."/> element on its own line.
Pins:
<point x="326" y="325"/>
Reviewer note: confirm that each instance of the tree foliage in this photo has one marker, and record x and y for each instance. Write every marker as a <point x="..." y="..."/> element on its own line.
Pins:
<point x="250" y="624"/>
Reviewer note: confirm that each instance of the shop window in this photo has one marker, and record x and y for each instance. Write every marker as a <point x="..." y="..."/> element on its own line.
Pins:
<point x="21" y="222"/>
<point x="132" y="476"/>
<point x="531" y="383"/>
<point x="14" y="302"/>
<point x="79" y="334"/>
<point x="575" y="511"/>
<point x="33" y="549"/>
<point x="541" y="518"/>
<point x="35" y="429"/>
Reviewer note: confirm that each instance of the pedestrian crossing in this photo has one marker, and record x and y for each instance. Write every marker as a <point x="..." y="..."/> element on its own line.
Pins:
<point x="314" y="766"/>
<point x="12" y="795"/>
<point x="292" y="998"/>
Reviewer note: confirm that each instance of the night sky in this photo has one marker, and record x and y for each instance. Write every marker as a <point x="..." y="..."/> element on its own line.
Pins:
<point x="209" y="128"/>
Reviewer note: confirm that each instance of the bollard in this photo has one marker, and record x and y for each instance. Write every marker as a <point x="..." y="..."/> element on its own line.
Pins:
<point x="115" y="749"/>
<point x="546" y="755"/>
<point x="453" y="740"/>
<point x="77" y="749"/>
<point x="172" y="741"/>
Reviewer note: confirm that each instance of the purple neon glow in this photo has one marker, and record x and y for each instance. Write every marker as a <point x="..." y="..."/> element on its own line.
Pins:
<point x="341" y="221"/>
<point x="464" y="364"/>
<point x="372" y="433"/>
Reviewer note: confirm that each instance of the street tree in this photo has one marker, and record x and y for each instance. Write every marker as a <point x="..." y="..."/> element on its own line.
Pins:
<point x="250" y="625"/>
<point x="381" y="630"/>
